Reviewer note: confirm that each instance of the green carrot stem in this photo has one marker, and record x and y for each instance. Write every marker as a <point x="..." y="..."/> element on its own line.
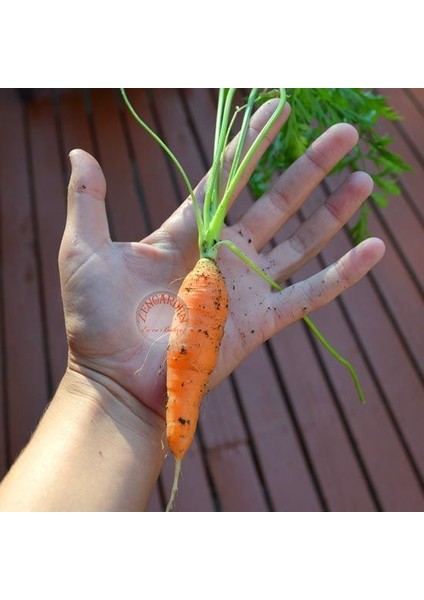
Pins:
<point x="214" y="202"/>
<point x="249" y="262"/>
<point x="213" y="178"/>
<point x="307" y="320"/>
<point x="210" y="185"/>
<point x="242" y="136"/>
<point x="217" y="221"/>
<point x="221" y="99"/>
<point x="337" y="356"/>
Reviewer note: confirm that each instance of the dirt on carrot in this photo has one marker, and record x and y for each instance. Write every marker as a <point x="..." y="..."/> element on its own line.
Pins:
<point x="192" y="356"/>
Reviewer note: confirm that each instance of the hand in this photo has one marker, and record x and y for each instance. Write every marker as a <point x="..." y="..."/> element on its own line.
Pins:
<point x="103" y="282"/>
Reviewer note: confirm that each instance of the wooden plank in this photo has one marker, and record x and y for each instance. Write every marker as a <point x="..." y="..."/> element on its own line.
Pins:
<point x="75" y="126"/>
<point x="124" y="205"/>
<point x="375" y="434"/>
<point x="342" y="481"/>
<point x="393" y="280"/>
<point x="412" y="126"/>
<point x="419" y="95"/>
<point x="26" y="381"/>
<point x="408" y="234"/>
<point x="279" y="450"/>
<point x="228" y="453"/>
<point x="245" y="478"/>
<point x="270" y="424"/>
<point x="155" y="503"/>
<point x="401" y="297"/>
<point x="411" y="181"/>
<point x="400" y="217"/>
<point x="159" y="192"/>
<point x="50" y="200"/>
<point x="174" y="123"/>
<point x="398" y="383"/>
<point x="402" y="222"/>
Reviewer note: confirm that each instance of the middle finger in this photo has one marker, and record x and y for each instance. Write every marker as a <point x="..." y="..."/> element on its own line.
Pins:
<point x="275" y="207"/>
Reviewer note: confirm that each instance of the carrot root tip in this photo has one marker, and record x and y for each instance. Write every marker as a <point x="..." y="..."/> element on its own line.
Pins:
<point x="174" y="490"/>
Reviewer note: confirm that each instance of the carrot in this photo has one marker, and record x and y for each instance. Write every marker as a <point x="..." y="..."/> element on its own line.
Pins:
<point x="192" y="355"/>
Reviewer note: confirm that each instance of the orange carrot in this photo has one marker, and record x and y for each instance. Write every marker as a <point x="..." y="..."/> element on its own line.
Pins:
<point x="192" y="355"/>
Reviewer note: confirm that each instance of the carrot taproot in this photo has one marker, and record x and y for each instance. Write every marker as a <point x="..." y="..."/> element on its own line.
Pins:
<point x="192" y="355"/>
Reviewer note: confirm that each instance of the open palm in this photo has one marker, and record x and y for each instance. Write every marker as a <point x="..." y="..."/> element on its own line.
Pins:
<point x="104" y="282"/>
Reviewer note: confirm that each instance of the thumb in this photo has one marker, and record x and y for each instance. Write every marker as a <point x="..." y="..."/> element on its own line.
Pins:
<point x="86" y="218"/>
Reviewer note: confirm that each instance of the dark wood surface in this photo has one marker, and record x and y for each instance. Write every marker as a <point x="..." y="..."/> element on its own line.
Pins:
<point x="284" y="432"/>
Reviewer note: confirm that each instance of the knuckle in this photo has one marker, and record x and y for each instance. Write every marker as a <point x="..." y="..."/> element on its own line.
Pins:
<point x="278" y="199"/>
<point x="342" y="278"/>
<point x="318" y="159"/>
<point x="309" y="301"/>
<point x="336" y="211"/>
<point x="298" y="245"/>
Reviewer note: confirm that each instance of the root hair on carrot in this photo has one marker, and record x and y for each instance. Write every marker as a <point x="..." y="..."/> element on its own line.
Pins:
<point x="175" y="280"/>
<point x="161" y="368"/>
<point x="170" y="505"/>
<point x="147" y="356"/>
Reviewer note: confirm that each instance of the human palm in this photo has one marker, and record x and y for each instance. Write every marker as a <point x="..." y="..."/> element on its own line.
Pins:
<point x="103" y="282"/>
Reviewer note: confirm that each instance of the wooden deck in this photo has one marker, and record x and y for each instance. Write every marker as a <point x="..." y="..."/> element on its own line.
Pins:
<point x="285" y="431"/>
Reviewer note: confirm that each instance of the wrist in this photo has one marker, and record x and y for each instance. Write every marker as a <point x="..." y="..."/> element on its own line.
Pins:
<point x="95" y="449"/>
<point x="104" y="398"/>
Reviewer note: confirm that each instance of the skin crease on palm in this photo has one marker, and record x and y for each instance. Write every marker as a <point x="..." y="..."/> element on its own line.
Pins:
<point x="103" y="282"/>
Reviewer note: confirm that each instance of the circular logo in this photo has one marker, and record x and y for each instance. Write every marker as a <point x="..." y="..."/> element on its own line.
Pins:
<point x="160" y="313"/>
